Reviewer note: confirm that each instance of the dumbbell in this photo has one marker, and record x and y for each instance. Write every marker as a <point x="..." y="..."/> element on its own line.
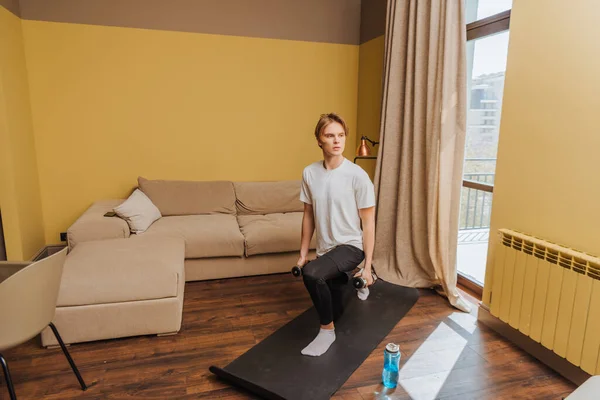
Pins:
<point x="297" y="271"/>
<point x="359" y="282"/>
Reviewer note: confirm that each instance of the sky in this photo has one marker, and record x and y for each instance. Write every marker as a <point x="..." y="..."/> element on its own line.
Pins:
<point x="487" y="8"/>
<point x="490" y="54"/>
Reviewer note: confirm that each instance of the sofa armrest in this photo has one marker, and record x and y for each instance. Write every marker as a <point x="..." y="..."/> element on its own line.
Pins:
<point x="93" y="225"/>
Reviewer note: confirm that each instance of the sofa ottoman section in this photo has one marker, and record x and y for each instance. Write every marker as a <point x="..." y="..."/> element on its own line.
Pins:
<point x="120" y="287"/>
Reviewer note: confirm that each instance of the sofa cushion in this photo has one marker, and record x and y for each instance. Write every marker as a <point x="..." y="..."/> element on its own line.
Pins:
<point x="255" y="198"/>
<point x="272" y="233"/>
<point x="190" y="197"/>
<point x="215" y="235"/>
<point x="122" y="270"/>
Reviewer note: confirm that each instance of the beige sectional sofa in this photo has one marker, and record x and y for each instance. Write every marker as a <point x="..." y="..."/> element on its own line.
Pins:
<point x="118" y="284"/>
<point x="120" y="287"/>
<point x="230" y="229"/>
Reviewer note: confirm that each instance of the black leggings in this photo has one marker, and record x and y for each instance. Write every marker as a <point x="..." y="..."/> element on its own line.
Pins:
<point x="337" y="264"/>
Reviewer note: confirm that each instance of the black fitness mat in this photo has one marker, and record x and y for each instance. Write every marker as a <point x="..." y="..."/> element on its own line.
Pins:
<point x="275" y="368"/>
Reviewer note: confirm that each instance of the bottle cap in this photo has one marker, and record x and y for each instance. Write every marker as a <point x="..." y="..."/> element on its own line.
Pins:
<point x="392" y="348"/>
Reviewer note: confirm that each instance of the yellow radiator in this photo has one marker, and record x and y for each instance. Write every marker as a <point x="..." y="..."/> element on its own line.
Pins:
<point x="550" y="293"/>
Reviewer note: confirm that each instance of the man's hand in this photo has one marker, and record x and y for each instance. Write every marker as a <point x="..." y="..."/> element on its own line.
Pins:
<point x="367" y="275"/>
<point x="301" y="261"/>
<point x="367" y="217"/>
<point x="308" y="228"/>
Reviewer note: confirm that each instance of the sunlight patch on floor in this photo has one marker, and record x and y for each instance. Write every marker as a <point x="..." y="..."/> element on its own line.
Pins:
<point x="427" y="369"/>
<point x="466" y="321"/>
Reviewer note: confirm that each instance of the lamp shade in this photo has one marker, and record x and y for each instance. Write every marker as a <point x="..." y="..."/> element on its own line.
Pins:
<point x="363" y="150"/>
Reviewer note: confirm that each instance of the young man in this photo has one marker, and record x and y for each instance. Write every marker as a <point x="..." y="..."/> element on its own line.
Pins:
<point x="338" y="195"/>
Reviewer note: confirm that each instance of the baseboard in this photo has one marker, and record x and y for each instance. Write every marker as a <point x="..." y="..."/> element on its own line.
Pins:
<point x="48" y="251"/>
<point x="541" y="353"/>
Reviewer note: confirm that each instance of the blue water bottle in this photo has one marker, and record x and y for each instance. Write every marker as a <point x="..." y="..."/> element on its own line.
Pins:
<point x="391" y="365"/>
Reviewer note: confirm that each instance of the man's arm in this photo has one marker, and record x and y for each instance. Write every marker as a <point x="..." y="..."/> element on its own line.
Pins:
<point x="367" y="216"/>
<point x="308" y="228"/>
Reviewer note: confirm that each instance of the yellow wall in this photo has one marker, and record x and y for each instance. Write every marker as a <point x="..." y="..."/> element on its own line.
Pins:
<point x="113" y="103"/>
<point x="369" y="97"/>
<point x="547" y="181"/>
<point x="19" y="185"/>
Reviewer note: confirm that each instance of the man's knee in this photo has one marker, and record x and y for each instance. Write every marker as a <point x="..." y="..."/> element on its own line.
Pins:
<point x="311" y="271"/>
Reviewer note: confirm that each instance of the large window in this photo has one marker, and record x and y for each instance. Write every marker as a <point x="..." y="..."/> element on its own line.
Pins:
<point x="487" y="34"/>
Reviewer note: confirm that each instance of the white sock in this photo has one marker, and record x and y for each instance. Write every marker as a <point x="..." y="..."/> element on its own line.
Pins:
<point x="363" y="293"/>
<point x="321" y="343"/>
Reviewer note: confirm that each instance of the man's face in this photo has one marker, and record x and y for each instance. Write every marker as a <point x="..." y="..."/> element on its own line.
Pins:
<point x="333" y="139"/>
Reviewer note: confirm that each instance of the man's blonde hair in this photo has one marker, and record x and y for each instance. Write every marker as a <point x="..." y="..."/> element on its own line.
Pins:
<point x="327" y="119"/>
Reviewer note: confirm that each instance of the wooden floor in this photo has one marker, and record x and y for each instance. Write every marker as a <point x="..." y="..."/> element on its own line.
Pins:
<point x="445" y="354"/>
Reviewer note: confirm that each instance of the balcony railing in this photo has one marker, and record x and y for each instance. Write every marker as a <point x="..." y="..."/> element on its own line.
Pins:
<point x="476" y="201"/>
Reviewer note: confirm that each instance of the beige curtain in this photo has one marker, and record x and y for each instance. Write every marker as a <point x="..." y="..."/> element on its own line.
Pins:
<point x="419" y="168"/>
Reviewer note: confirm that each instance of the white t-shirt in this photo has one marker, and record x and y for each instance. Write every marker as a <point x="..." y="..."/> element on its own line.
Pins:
<point x="336" y="196"/>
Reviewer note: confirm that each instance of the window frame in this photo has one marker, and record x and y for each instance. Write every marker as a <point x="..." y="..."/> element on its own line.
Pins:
<point x="488" y="26"/>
